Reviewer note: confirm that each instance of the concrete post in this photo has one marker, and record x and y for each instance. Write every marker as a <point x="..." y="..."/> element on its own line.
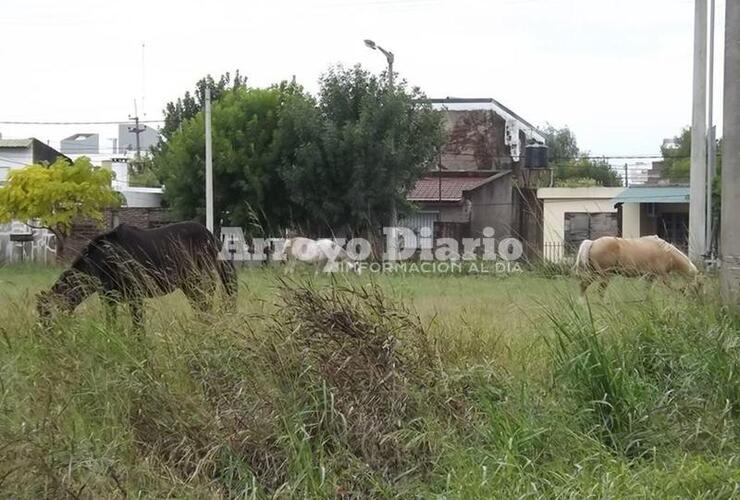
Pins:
<point x="698" y="178"/>
<point x="730" y="237"/>
<point x="209" y="161"/>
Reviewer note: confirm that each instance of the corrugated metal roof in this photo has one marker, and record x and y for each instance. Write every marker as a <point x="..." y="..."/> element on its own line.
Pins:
<point x="653" y="194"/>
<point x="15" y="143"/>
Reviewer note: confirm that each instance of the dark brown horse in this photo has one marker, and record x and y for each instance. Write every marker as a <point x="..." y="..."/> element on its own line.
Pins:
<point x="129" y="264"/>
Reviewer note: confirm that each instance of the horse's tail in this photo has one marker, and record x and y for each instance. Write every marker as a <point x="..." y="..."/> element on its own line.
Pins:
<point x="583" y="255"/>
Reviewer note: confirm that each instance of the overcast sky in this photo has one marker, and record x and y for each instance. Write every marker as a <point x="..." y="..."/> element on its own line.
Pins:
<point x="617" y="72"/>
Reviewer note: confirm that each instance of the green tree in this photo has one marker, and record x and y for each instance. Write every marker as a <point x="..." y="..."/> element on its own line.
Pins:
<point x="677" y="158"/>
<point x="677" y="166"/>
<point x="247" y="185"/>
<point x="561" y="143"/>
<point x="55" y="196"/>
<point x="187" y="107"/>
<point x="582" y="169"/>
<point x="361" y="146"/>
<point x="573" y="167"/>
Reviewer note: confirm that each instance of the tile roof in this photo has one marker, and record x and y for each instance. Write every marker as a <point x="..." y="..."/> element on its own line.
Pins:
<point x="452" y="187"/>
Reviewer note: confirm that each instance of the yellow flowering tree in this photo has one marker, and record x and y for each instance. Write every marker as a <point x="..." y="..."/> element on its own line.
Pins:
<point x="54" y="196"/>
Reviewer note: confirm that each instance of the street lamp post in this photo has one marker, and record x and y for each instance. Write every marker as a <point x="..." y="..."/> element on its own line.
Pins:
<point x="390" y="58"/>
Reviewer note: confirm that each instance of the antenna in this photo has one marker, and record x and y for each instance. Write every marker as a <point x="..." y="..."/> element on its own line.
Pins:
<point x="143" y="78"/>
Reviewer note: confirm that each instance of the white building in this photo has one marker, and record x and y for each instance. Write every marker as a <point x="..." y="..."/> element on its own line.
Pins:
<point x="571" y="215"/>
<point x="18" y="153"/>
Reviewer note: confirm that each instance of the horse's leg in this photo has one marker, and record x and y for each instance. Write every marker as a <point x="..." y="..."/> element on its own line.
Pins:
<point x="586" y="282"/>
<point x="197" y="296"/>
<point x="136" y="306"/>
<point x="603" y="283"/>
<point x="229" y="280"/>
<point x="289" y="265"/>
<point x="110" y="302"/>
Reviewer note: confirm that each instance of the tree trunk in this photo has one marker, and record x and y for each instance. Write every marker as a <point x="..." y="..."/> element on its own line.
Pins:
<point x="60" y="245"/>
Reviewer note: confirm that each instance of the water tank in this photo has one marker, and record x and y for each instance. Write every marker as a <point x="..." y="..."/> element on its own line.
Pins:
<point x="535" y="156"/>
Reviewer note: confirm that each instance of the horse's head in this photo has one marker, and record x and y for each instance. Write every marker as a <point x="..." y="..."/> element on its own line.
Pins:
<point x="64" y="296"/>
<point x="48" y="304"/>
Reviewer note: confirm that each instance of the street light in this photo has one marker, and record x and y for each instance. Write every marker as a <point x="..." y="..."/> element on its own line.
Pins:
<point x="388" y="56"/>
<point x="394" y="213"/>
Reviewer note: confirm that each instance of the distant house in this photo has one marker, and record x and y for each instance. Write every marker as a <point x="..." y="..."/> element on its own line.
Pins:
<point x="148" y="138"/>
<point x="81" y="144"/>
<point x="661" y="210"/>
<point x="18" y="153"/>
<point x="473" y="186"/>
<point x="462" y="203"/>
<point x="571" y="215"/>
<point x="483" y="134"/>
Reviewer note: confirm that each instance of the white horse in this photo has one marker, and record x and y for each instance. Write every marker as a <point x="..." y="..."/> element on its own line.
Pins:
<point x="325" y="254"/>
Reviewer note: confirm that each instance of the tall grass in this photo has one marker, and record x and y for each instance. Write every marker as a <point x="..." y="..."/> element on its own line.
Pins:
<point x="326" y="389"/>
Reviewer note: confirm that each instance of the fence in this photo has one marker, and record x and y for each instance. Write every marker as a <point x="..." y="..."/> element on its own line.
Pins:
<point x="558" y="251"/>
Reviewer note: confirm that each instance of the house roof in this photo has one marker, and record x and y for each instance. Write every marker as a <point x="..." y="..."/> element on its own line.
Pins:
<point x="653" y="194"/>
<point x="474" y="103"/>
<point x="16" y="143"/>
<point x="450" y="185"/>
<point x="580" y="193"/>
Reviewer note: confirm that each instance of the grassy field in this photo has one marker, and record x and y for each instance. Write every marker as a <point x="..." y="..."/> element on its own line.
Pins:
<point x="375" y="386"/>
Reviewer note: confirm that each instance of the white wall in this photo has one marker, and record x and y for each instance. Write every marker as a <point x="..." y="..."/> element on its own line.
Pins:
<point x="558" y="201"/>
<point x="631" y="220"/>
<point x="12" y="158"/>
<point x="142" y="197"/>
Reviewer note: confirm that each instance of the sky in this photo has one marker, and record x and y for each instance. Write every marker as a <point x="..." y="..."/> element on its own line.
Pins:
<point x="617" y="72"/>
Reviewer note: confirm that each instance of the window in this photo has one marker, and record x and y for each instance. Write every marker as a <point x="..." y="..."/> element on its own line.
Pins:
<point x="674" y="228"/>
<point x="586" y="226"/>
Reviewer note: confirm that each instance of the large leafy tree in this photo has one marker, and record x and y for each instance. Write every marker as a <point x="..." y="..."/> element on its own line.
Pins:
<point x="283" y="158"/>
<point x="677" y="157"/>
<point x="55" y="196"/>
<point x="573" y="167"/>
<point x="247" y="184"/>
<point x="187" y="107"/>
<point x="561" y="144"/>
<point x="677" y="165"/>
<point x="361" y="146"/>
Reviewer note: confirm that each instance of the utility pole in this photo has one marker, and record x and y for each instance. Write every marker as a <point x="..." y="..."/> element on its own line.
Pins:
<point x="209" y="163"/>
<point x="626" y="176"/>
<point x="730" y="243"/>
<point x="136" y="129"/>
<point x="711" y="142"/>
<point x="390" y="58"/>
<point x="698" y="177"/>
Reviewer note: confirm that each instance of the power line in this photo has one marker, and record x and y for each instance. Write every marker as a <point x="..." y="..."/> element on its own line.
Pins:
<point x="104" y="122"/>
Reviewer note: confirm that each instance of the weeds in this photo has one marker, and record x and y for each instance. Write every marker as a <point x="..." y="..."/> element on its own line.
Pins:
<point x="339" y="390"/>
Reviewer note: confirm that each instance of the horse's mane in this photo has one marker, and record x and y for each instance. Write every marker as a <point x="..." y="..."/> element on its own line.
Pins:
<point x="673" y="250"/>
<point x="106" y="236"/>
